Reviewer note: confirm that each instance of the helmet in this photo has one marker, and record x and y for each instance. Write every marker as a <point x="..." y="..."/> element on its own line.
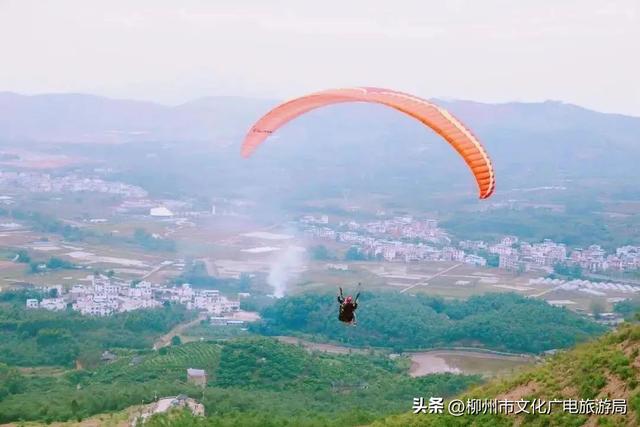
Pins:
<point x="348" y="299"/>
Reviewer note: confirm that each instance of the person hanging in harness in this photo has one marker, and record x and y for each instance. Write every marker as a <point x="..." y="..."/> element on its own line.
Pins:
<point x="348" y="306"/>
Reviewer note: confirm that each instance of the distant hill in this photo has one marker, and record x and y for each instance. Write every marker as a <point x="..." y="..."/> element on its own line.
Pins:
<point x="607" y="368"/>
<point x="357" y="146"/>
<point x="512" y="131"/>
<point x="79" y="118"/>
<point x="88" y="118"/>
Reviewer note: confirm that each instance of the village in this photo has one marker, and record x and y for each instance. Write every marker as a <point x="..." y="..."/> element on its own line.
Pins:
<point x="408" y="239"/>
<point x="46" y="183"/>
<point x="106" y="296"/>
<point x="381" y="239"/>
<point x="524" y="256"/>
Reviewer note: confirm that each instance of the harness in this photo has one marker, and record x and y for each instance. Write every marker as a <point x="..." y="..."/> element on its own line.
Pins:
<point x="347" y="310"/>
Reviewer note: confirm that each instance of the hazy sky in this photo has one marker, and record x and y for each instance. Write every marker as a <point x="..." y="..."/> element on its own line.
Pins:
<point x="581" y="51"/>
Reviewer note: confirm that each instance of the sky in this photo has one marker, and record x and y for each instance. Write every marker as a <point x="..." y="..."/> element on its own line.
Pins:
<point x="585" y="52"/>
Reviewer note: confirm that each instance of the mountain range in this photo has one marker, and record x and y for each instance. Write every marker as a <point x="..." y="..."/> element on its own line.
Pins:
<point x="548" y="143"/>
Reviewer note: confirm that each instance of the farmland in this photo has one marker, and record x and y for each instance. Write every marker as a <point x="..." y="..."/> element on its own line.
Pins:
<point x="273" y="378"/>
<point x="103" y="239"/>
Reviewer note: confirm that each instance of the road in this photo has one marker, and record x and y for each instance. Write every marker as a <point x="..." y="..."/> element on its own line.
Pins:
<point x="324" y="347"/>
<point x="545" y="292"/>
<point x="165" y="340"/>
<point x="440" y="273"/>
<point x="157" y="268"/>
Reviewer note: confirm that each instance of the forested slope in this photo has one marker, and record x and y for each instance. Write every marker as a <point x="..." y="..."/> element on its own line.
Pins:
<point x="499" y="321"/>
<point x="605" y="369"/>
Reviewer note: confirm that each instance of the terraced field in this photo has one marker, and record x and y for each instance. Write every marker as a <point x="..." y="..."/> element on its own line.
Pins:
<point x="167" y="363"/>
<point x="196" y="354"/>
<point x="252" y="381"/>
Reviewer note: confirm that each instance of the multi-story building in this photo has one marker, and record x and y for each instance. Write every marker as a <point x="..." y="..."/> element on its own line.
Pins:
<point x="509" y="261"/>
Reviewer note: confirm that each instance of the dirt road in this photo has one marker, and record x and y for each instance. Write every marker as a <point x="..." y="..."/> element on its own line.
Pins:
<point x="424" y="282"/>
<point x="165" y="340"/>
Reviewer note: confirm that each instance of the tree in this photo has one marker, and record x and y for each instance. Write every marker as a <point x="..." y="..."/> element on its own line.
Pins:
<point x="320" y="253"/>
<point x="23" y="256"/>
<point x="11" y="381"/>
<point x="597" y="308"/>
<point x="493" y="260"/>
<point x="175" y="340"/>
<point x="410" y="322"/>
<point x="55" y="263"/>
<point x="628" y="308"/>
<point x="34" y="267"/>
<point x="354" y="254"/>
<point x="244" y="283"/>
<point x="572" y="272"/>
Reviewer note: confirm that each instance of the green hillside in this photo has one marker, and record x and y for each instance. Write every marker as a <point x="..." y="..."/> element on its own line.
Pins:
<point x="607" y="368"/>
<point x="405" y="322"/>
<point x="56" y="394"/>
<point x="44" y="338"/>
<point x="259" y="381"/>
<point x="250" y="380"/>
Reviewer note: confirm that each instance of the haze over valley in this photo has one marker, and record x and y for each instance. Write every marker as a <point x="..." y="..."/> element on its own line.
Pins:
<point x="439" y="226"/>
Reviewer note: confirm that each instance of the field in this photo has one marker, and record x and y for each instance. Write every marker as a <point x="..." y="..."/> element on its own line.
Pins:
<point x="171" y="363"/>
<point x="272" y="378"/>
<point x="445" y="279"/>
<point x="230" y="256"/>
<point x="128" y="262"/>
<point x="230" y="246"/>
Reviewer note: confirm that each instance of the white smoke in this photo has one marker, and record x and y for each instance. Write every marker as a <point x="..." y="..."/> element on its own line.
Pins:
<point x="287" y="265"/>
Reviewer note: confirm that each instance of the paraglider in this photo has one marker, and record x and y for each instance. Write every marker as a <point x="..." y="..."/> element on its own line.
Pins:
<point x="430" y="114"/>
<point x="433" y="116"/>
<point x="348" y="306"/>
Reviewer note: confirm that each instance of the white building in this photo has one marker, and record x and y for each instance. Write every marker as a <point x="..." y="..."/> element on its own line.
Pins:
<point x="509" y="261"/>
<point x="509" y="240"/>
<point x="54" y="304"/>
<point x="79" y="290"/>
<point x="160" y="211"/>
<point x="475" y="260"/>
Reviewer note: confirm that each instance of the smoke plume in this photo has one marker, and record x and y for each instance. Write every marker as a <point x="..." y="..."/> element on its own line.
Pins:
<point x="288" y="264"/>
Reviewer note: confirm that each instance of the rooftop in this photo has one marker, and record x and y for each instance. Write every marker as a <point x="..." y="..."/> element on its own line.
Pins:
<point x="196" y="372"/>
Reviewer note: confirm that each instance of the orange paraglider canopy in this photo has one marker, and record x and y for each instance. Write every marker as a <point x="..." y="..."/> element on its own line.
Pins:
<point x="433" y="116"/>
